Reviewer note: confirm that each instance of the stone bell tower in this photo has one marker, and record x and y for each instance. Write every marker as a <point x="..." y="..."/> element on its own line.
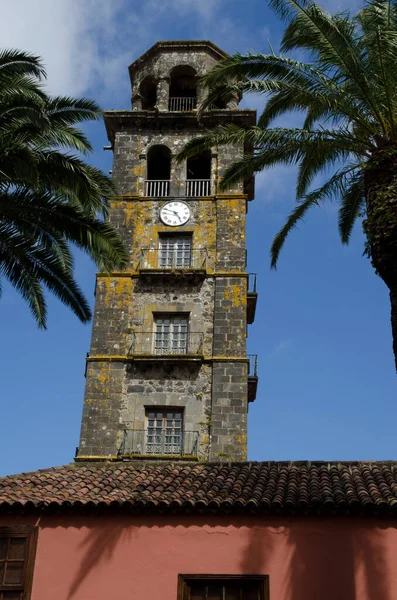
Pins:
<point x="167" y="374"/>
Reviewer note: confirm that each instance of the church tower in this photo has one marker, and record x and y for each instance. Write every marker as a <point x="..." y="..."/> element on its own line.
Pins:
<point x="167" y="375"/>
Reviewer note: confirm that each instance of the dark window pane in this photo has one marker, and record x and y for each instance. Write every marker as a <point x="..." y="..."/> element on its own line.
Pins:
<point x="12" y="595"/>
<point x="215" y="592"/>
<point x="197" y="592"/>
<point x="3" y="548"/>
<point x="16" y="550"/>
<point x="13" y="573"/>
<point x="2" y="567"/>
<point x="232" y="592"/>
<point x="251" y="592"/>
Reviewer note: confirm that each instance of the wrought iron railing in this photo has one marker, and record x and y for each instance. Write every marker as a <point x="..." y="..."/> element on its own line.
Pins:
<point x="159" y="442"/>
<point x="180" y="259"/>
<point x="152" y="343"/>
<point x="157" y="188"/>
<point x="251" y="283"/>
<point x="198" y="187"/>
<point x="180" y="104"/>
<point x="253" y="365"/>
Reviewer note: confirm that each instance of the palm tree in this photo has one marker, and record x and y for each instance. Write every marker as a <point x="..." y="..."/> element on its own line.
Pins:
<point x="347" y="92"/>
<point x="49" y="198"/>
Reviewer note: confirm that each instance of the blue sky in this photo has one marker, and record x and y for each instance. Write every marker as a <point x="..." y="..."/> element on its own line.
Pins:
<point x="327" y="388"/>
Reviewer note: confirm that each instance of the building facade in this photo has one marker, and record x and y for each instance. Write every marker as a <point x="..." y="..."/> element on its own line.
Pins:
<point x="242" y="531"/>
<point x="168" y="374"/>
<point x="159" y="501"/>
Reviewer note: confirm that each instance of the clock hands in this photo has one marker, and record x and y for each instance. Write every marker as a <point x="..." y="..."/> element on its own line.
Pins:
<point x="170" y="210"/>
<point x="173" y="211"/>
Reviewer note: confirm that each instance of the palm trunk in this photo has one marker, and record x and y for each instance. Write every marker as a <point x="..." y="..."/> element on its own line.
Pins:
<point x="393" y="302"/>
<point x="380" y="225"/>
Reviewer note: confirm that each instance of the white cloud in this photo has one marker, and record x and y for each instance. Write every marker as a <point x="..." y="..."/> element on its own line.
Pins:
<point x="64" y="34"/>
<point x="282" y="346"/>
<point x="88" y="44"/>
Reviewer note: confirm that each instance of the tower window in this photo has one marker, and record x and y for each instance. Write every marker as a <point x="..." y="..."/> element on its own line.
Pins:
<point x="171" y="334"/>
<point x="175" y="251"/>
<point x="148" y="91"/>
<point x="198" y="175"/>
<point x="183" y="88"/>
<point x="158" y="171"/>
<point x="164" y="432"/>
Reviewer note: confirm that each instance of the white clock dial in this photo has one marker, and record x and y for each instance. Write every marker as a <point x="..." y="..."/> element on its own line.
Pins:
<point x="175" y="213"/>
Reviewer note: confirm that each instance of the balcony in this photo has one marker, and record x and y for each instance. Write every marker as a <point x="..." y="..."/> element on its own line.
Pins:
<point x="252" y="298"/>
<point x="159" y="443"/>
<point x="157" y="188"/>
<point x="177" y="262"/>
<point x="182" y="104"/>
<point x="154" y="346"/>
<point x="195" y="188"/>
<point x="252" y="376"/>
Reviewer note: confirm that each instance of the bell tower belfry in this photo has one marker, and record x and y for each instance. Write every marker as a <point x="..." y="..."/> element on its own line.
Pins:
<point x="167" y="374"/>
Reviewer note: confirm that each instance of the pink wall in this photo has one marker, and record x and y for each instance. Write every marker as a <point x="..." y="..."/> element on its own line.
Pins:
<point x="139" y="558"/>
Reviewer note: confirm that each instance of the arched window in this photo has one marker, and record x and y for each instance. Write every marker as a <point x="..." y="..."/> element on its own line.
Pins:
<point x="158" y="171"/>
<point x="183" y="92"/>
<point x="198" y="174"/>
<point x="147" y="90"/>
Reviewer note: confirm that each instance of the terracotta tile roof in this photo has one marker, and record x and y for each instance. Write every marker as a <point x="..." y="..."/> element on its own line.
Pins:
<point x="265" y="487"/>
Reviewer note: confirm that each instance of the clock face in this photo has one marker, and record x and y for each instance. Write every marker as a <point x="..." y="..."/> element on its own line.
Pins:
<point x="175" y="213"/>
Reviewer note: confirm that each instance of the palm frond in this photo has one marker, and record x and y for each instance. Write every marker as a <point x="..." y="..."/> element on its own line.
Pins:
<point x="64" y="110"/>
<point x="332" y="188"/>
<point x="352" y="202"/>
<point x="333" y="43"/>
<point x="28" y="265"/>
<point x="293" y="219"/>
<point x="49" y="198"/>
<point x="14" y="62"/>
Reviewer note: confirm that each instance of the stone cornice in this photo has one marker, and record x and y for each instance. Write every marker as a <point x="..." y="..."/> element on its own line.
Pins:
<point x="138" y="120"/>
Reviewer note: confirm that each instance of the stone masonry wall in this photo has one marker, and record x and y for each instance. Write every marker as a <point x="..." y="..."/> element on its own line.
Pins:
<point x="229" y="411"/>
<point x="160" y="66"/>
<point x="101" y="412"/>
<point x="185" y="386"/>
<point x="130" y="159"/>
<point x="120" y="386"/>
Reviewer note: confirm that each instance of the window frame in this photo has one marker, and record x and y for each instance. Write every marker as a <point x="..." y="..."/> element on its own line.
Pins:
<point x="164" y="410"/>
<point x="175" y="236"/>
<point x="30" y="533"/>
<point x="185" y="580"/>
<point x="171" y="316"/>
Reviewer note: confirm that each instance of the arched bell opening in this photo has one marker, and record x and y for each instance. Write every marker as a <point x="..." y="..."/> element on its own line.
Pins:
<point x="198" y="174"/>
<point x="183" y="88"/>
<point x="148" y="92"/>
<point x="158" y="171"/>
